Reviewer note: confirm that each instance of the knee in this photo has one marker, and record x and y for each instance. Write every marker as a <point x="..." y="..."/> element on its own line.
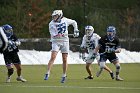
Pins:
<point x="10" y="71"/>
<point x="118" y="66"/>
<point x="102" y="65"/>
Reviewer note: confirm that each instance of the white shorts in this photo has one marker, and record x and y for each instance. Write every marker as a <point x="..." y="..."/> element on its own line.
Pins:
<point x="62" y="46"/>
<point x="90" y="60"/>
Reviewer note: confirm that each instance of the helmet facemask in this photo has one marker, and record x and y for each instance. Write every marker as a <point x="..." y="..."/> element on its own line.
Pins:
<point x="8" y="30"/>
<point x="111" y="32"/>
<point x="89" y="30"/>
<point x="57" y="15"/>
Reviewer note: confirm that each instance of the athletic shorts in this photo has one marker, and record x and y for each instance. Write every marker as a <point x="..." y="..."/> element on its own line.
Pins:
<point x="11" y="58"/>
<point x="62" y="46"/>
<point x="110" y="57"/>
<point x="90" y="60"/>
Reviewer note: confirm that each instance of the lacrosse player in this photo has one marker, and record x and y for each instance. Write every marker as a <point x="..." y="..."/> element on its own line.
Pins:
<point x="108" y="46"/>
<point x="89" y="42"/>
<point x="58" y="29"/>
<point x="11" y="54"/>
<point x="3" y="40"/>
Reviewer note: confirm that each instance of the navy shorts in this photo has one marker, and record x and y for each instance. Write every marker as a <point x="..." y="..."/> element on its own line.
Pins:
<point x="111" y="57"/>
<point x="12" y="58"/>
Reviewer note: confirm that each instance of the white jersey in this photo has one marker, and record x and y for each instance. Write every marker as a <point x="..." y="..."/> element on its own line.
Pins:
<point x="3" y="40"/>
<point x="90" y="42"/>
<point x="59" y="30"/>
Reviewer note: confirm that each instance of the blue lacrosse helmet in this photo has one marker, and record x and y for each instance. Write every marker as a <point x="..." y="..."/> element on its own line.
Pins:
<point x="8" y="30"/>
<point x="111" y="32"/>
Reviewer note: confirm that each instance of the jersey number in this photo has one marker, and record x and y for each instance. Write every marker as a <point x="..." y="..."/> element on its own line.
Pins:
<point x="61" y="28"/>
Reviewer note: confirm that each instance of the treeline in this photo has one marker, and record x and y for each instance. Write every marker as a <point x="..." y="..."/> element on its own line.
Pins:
<point x="30" y="18"/>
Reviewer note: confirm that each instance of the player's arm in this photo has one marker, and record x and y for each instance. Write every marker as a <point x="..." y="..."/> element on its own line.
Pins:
<point x="97" y="45"/>
<point x="73" y="23"/>
<point x="96" y="49"/>
<point x="51" y="30"/>
<point x="118" y="47"/>
<point x="118" y="50"/>
<point x="75" y="26"/>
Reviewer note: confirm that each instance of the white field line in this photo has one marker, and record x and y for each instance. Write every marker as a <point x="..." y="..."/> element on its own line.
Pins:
<point x="123" y="88"/>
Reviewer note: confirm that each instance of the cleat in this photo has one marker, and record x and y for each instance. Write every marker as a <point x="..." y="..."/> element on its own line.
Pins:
<point x="46" y="77"/>
<point x="8" y="80"/>
<point x="89" y="77"/>
<point x="21" y="79"/>
<point x="119" y="79"/>
<point x="63" y="80"/>
<point x="98" y="73"/>
<point x="112" y="75"/>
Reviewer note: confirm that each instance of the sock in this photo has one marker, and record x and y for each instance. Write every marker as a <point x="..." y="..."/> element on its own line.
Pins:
<point x="111" y="71"/>
<point x="117" y="74"/>
<point x="48" y="72"/>
<point x="64" y="75"/>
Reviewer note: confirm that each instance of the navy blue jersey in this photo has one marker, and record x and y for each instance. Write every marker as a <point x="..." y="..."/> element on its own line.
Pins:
<point x="11" y="47"/>
<point x="104" y="43"/>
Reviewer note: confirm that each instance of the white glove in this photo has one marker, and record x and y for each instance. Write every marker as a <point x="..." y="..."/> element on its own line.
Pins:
<point x="76" y="33"/>
<point x="17" y="43"/>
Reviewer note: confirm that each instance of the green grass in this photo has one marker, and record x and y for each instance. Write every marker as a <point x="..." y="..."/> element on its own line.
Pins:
<point x="75" y="81"/>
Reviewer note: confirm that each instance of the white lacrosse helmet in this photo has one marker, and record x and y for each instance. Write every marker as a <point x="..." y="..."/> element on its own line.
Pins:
<point x="58" y="13"/>
<point x="89" y="30"/>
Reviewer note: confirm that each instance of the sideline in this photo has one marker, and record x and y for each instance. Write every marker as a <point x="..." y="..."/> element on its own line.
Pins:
<point x="123" y="88"/>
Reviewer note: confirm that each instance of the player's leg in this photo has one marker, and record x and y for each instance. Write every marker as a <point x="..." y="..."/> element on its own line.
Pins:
<point x="10" y="72"/>
<point x="50" y="64"/>
<point x="110" y="71"/>
<point x="118" y="68"/>
<point x="19" y="78"/>
<point x="8" y="63"/>
<point x="65" y="66"/>
<point x="64" y="50"/>
<point x="54" y="51"/>
<point x="89" y="61"/>
<point x="17" y="63"/>
<point x="102" y="65"/>
<point x="88" y="69"/>
<point x="114" y="59"/>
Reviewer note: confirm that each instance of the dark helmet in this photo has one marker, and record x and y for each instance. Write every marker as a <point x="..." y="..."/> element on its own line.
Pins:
<point x="8" y="30"/>
<point x="111" y="32"/>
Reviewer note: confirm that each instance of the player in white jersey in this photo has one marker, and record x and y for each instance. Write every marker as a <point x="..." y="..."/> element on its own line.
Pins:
<point x="58" y="29"/>
<point x="90" y="42"/>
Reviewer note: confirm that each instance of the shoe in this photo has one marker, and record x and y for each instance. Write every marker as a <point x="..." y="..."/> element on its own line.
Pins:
<point x="21" y="79"/>
<point x="98" y="73"/>
<point x="119" y="79"/>
<point x="8" y="80"/>
<point x="46" y="77"/>
<point x="112" y="75"/>
<point x="63" y="80"/>
<point x="89" y="77"/>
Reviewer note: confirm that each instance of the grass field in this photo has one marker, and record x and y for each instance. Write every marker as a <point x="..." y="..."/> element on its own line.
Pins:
<point x="75" y="81"/>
